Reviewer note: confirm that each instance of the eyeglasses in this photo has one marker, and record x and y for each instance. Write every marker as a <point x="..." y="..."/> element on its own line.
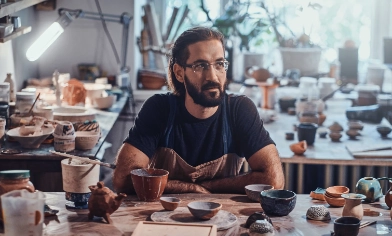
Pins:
<point x="199" y="67"/>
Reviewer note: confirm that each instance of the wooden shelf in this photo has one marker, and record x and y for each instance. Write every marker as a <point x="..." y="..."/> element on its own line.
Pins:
<point x="12" y="7"/>
<point x="18" y="32"/>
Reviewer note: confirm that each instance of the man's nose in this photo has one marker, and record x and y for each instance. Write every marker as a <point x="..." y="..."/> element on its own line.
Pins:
<point x="211" y="73"/>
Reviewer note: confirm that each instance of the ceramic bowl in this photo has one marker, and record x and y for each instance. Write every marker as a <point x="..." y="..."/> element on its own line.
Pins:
<point x="335" y="136"/>
<point x="32" y="142"/>
<point x="335" y="202"/>
<point x="73" y="114"/>
<point x="353" y="133"/>
<point x="259" y="215"/>
<point x="253" y="191"/>
<point x="149" y="183"/>
<point x="318" y="212"/>
<point x="286" y="102"/>
<point x="299" y="148"/>
<point x="85" y="140"/>
<point x="322" y="132"/>
<point x="335" y="127"/>
<point x="355" y="124"/>
<point x="105" y="102"/>
<point x="170" y="203"/>
<point x="278" y="202"/>
<point x="346" y="225"/>
<point x="204" y="210"/>
<point x="337" y="191"/>
<point x="261" y="228"/>
<point x="384" y="130"/>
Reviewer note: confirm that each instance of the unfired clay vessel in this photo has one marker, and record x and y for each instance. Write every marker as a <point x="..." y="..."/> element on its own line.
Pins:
<point x="103" y="202"/>
<point x="353" y="206"/>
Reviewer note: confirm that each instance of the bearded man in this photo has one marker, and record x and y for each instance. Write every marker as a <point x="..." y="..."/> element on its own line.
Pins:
<point x="198" y="133"/>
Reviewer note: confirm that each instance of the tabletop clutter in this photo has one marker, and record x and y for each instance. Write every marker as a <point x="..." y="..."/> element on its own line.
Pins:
<point x="84" y="191"/>
<point x="62" y="115"/>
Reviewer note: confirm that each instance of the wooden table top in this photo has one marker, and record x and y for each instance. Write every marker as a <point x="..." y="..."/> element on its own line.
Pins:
<point x="131" y="211"/>
<point x="106" y="120"/>
<point x="324" y="151"/>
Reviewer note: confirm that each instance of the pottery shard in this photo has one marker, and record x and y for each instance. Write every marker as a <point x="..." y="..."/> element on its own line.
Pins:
<point x="299" y="148"/>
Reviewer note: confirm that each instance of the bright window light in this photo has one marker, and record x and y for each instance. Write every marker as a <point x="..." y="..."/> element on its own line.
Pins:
<point x="44" y="41"/>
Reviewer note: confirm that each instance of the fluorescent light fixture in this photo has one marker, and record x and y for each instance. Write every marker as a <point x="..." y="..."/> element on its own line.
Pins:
<point x="48" y="37"/>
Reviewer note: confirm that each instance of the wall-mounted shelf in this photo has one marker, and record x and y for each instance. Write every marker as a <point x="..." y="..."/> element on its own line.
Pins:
<point x="12" y="7"/>
<point x="18" y="32"/>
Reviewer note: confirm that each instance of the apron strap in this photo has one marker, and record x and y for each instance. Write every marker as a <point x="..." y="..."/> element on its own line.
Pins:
<point x="169" y="126"/>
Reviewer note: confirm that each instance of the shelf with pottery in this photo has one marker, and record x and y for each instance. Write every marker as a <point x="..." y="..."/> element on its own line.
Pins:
<point x="18" y="32"/>
<point x="45" y="166"/>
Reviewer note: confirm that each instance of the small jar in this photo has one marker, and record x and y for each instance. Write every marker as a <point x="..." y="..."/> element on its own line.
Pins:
<point x="14" y="180"/>
<point x="24" y="102"/>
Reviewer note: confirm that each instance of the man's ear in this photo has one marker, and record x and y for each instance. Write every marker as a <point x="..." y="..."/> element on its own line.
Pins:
<point x="179" y="72"/>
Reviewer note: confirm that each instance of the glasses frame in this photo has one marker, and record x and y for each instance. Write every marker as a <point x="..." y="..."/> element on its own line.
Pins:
<point x="192" y="66"/>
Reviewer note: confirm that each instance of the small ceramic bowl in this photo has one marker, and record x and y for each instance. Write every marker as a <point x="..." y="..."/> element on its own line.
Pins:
<point x="353" y="133"/>
<point x="278" y="202"/>
<point x="335" y="127"/>
<point x="204" y="210"/>
<point x="170" y="203"/>
<point x="299" y="148"/>
<point x="337" y="191"/>
<point x="346" y="225"/>
<point x="253" y="191"/>
<point x="384" y="130"/>
<point x="105" y="102"/>
<point x="289" y="136"/>
<point x="335" y="202"/>
<point x="318" y="212"/>
<point x="322" y="132"/>
<point x="85" y="140"/>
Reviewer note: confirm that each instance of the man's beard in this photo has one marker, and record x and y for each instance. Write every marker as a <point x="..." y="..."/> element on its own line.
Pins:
<point x="203" y="97"/>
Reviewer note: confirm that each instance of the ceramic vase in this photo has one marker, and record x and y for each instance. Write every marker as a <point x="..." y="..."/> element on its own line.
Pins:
<point x="370" y="187"/>
<point x="353" y="206"/>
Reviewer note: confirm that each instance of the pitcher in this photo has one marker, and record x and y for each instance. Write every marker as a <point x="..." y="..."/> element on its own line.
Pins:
<point x="388" y="194"/>
<point x="23" y="212"/>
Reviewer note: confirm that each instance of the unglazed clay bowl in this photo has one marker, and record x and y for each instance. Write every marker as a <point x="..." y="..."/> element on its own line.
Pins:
<point x="278" y="202"/>
<point x="204" y="210"/>
<point x="334" y="201"/>
<point x="253" y="191"/>
<point x="299" y="148"/>
<point x="337" y="191"/>
<point x="170" y="203"/>
<point x="30" y="141"/>
<point x="149" y="183"/>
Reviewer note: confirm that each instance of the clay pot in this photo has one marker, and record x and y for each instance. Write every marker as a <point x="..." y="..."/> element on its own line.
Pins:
<point x="149" y="183"/>
<point x="335" y="127"/>
<point x="383" y="130"/>
<point x="103" y="202"/>
<point x="299" y="148"/>
<point x="353" y="133"/>
<point x="77" y="177"/>
<point x="170" y="203"/>
<point x="335" y="202"/>
<point x="354" y="124"/>
<point x="278" y="202"/>
<point x="388" y="194"/>
<point x="260" y="74"/>
<point x="337" y="191"/>
<point x="353" y="206"/>
<point x="347" y="226"/>
<point x="253" y="191"/>
<point x="335" y="136"/>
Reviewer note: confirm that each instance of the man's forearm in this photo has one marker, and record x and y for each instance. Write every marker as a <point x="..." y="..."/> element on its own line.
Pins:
<point x="177" y="186"/>
<point x="236" y="184"/>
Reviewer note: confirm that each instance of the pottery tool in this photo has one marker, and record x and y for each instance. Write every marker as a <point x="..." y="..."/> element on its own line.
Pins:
<point x="366" y="223"/>
<point x="112" y="166"/>
<point x="36" y="99"/>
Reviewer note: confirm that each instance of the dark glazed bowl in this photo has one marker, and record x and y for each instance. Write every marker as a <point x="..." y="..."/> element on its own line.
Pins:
<point x="204" y="210"/>
<point x="170" y="203"/>
<point x="278" y="202"/>
<point x="383" y="130"/>
<point x="253" y="191"/>
<point x="149" y="183"/>
<point x="346" y="226"/>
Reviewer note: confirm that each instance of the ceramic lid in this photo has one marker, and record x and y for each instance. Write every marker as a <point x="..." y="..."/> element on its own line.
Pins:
<point x="14" y="174"/>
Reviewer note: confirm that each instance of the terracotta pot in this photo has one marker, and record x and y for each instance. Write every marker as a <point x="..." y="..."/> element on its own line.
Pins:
<point x="149" y="183"/>
<point x="388" y="194"/>
<point x="77" y="177"/>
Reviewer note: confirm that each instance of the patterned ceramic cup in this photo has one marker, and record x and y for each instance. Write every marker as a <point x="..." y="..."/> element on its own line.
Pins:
<point x="64" y="130"/>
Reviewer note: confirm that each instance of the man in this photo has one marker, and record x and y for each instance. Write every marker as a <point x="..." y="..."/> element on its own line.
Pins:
<point x="198" y="133"/>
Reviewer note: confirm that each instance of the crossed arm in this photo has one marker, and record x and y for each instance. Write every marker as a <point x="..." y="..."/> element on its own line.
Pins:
<point x="265" y="165"/>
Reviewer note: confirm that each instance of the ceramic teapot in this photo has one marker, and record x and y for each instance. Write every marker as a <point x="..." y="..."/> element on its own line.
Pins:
<point x="260" y="74"/>
<point x="370" y="187"/>
<point x="103" y="202"/>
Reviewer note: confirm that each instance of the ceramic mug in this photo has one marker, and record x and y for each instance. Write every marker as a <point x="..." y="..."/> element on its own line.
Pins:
<point x="307" y="131"/>
<point x="346" y="226"/>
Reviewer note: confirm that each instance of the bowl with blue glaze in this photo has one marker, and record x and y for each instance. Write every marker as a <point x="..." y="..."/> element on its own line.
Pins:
<point x="277" y="201"/>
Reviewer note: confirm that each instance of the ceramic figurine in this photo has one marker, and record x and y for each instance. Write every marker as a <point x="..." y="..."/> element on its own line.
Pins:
<point x="103" y="202"/>
<point x="370" y="187"/>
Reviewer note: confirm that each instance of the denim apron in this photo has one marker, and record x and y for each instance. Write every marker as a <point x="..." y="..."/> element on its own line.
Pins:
<point x="166" y="158"/>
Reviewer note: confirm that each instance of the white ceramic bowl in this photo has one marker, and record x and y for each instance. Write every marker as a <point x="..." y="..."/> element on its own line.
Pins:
<point x="105" y="102"/>
<point x="94" y="90"/>
<point x="30" y="141"/>
<point x="86" y="140"/>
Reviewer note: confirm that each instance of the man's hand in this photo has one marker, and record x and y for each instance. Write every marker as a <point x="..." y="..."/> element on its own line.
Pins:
<point x="128" y="158"/>
<point x="177" y="186"/>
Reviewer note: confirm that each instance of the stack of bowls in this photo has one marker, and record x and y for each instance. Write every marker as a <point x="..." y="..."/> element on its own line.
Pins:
<point x="333" y="195"/>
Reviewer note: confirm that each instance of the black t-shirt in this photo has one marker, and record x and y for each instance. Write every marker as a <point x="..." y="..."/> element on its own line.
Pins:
<point x="198" y="141"/>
